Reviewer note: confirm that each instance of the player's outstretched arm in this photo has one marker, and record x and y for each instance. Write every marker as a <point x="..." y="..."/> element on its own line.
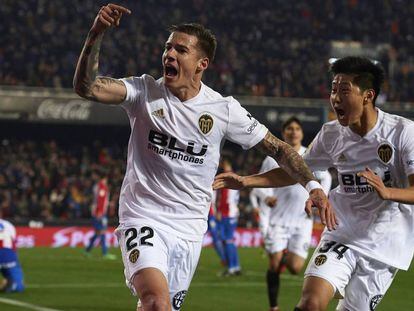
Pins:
<point x="405" y="195"/>
<point x="105" y="90"/>
<point x="271" y="179"/>
<point x="294" y="165"/>
<point x="293" y="170"/>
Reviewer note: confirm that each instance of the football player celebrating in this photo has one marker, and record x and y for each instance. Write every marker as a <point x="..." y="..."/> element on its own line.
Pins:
<point x="373" y="152"/>
<point x="177" y="127"/>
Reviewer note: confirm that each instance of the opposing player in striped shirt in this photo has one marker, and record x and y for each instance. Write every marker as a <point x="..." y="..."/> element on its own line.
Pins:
<point x="99" y="213"/>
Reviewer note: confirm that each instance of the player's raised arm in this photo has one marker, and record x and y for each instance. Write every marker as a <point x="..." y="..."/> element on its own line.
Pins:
<point x="105" y="90"/>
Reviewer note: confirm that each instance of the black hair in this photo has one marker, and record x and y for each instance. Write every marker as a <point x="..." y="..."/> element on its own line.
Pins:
<point x="368" y="75"/>
<point x="206" y="39"/>
<point x="290" y="121"/>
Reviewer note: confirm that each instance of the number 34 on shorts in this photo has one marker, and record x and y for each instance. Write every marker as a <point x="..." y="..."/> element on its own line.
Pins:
<point x="329" y="247"/>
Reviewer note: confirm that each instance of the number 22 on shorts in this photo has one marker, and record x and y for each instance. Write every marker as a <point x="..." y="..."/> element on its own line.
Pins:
<point x="131" y="235"/>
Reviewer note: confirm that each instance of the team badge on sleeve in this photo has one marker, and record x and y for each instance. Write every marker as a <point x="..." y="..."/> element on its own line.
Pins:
<point x="205" y="123"/>
<point x="385" y="152"/>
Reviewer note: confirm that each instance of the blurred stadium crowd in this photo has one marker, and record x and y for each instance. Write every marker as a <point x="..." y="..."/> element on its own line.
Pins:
<point x="272" y="48"/>
<point x="45" y="181"/>
<point x="51" y="181"/>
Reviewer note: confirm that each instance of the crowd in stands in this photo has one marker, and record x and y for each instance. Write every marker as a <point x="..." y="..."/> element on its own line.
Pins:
<point x="45" y="181"/>
<point x="52" y="182"/>
<point x="271" y="48"/>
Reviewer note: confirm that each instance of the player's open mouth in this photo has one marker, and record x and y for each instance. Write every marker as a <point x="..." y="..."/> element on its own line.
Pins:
<point x="340" y="113"/>
<point x="170" y="71"/>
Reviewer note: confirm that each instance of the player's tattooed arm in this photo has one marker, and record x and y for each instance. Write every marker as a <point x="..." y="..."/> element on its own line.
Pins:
<point x="85" y="82"/>
<point x="293" y="169"/>
<point x="287" y="158"/>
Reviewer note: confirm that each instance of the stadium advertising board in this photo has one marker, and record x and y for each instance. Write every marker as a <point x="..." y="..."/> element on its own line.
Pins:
<point x="79" y="237"/>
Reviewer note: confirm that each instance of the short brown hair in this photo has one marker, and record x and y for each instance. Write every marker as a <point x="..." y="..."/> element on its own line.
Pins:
<point x="206" y="39"/>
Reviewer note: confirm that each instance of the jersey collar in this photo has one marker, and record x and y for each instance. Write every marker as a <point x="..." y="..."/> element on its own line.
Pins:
<point x="190" y="101"/>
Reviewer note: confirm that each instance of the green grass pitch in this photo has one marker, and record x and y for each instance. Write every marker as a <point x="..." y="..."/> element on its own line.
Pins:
<point x="63" y="279"/>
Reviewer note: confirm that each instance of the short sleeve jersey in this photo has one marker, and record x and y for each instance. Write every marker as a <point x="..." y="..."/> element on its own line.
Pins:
<point x="376" y="228"/>
<point x="173" y="153"/>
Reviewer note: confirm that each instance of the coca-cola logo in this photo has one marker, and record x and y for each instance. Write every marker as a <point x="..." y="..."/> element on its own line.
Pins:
<point x="71" y="110"/>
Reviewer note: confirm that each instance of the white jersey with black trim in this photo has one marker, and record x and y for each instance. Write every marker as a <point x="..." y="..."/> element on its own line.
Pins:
<point x="7" y="234"/>
<point x="174" y="151"/>
<point x="379" y="229"/>
<point x="290" y="207"/>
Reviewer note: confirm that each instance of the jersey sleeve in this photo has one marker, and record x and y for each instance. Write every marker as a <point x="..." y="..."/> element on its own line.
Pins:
<point x="316" y="156"/>
<point x="242" y="128"/>
<point x="407" y="153"/>
<point x="135" y="87"/>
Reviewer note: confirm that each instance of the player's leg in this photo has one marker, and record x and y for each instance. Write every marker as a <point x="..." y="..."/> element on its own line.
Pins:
<point x="14" y="278"/>
<point x="229" y="225"/>
<point x="316" y="294"/>
<point x="367" y="286"/>
<point x="97" y="232"/>
<point x="273" y="279"/>
<point x="145" y="250"/>
<point x="298" y="247"/>
<point x="275" y="242"/>
<point x="328" y="273"/>
<point x="152" y="288"/>
<point x="213" y="228"/>
<point x="102" y="235"/>
<point x="182" y="266"/>
<point x="294" y="262"/>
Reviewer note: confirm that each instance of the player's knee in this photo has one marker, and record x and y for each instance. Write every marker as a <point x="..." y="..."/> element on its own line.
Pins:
<point x="152" y="302"/>
<point x="274" y="264"/>
<point x="295" y="268"/>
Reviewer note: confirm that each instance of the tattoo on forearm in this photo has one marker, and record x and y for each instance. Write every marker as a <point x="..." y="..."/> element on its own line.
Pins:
<point x="87" y="67"/>
<point x="287" y="158"/>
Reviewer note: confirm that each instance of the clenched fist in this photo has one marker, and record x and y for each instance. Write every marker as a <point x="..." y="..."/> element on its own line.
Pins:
<point x="109" y="15"/>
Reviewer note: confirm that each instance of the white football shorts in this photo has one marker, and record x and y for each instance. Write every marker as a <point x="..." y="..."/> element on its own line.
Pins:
<point x="295" y="239"/>
<point x="360" y="280"/>
<point x="146" y="246"/>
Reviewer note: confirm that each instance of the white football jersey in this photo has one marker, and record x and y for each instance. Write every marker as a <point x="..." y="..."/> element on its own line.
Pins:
<point x="7" y="234"/>
<point x="257" y="197"/>
<point x="383" y="230"/>
<point x="174" y="151"/>
<point x="290" y="207"/>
